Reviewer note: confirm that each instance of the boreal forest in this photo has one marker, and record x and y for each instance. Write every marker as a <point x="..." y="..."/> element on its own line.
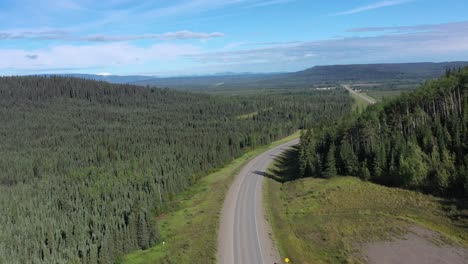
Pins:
<point x="86" y="166"/>
<point x="417" y="141"/>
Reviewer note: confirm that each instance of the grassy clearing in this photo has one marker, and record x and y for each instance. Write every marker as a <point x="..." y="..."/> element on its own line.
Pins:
<point x="359" y="103"/>
<point x="380" y="95"/>
<point x="247" y="116"/>
<point x="326" y="221"/>
<point x="190" y="232"/>
<point x="251" y="115"/>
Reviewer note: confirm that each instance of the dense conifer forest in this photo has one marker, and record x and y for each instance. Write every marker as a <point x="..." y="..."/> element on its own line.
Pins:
<point x="86" y="166"/>
<point x="417" y="141"/>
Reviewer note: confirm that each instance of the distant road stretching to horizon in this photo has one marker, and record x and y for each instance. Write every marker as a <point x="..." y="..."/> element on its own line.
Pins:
<point x="364" y="97"/>
<point x="244" y="234"/>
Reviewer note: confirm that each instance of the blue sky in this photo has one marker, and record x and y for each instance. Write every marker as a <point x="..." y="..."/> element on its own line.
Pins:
<point x="180" y="37"/>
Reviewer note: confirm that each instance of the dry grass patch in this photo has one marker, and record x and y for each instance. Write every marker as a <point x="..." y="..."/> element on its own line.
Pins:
<point x="326" y="221"/>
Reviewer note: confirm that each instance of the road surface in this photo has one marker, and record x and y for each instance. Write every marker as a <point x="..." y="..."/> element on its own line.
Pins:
<point x="244" y="234"/>
<point x="364" y="97"/>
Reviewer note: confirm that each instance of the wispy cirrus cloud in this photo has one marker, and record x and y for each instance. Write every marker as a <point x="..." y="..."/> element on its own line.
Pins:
<point x="92" y="56"/>
<point x="67" y="36"/>
<point x="179" y="35"/>
<point x="402" y="29"/>
<point x="392" y="44"/>
<point x="268" y="3"/>
<point x="92" y="15"/>
<point x="201" y="6"/>
<point x="32" y="56"/>
<point x="39" y="34"/>
<point x="372" y="6"/>
<point x="435" y="41"/>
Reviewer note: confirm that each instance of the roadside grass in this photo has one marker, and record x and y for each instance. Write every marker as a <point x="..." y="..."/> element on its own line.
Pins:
<point x="327" y="221"/>
<point x="367" y="96"/>
<point x="359" y="103"/>
<point x="381" y="95"/>
<point x="190" y="232"/>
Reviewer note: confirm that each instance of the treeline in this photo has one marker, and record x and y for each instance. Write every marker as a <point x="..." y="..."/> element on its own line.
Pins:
<point x="418" y="140"/>
<point x="85" y="166"/>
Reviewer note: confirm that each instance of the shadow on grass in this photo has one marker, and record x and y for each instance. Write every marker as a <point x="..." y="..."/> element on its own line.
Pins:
<point x="457" y="210"/>
<point x="286" y="168"/>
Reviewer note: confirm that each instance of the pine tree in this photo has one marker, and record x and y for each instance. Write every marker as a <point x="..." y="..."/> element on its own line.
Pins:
<point x="142" y="231"/>
<point x="349" y="160"/>
<point x="330" y="166"/>
<point x="364" y="172"/>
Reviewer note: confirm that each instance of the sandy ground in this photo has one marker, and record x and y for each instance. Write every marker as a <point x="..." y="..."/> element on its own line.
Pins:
<point x="419" y="246"/>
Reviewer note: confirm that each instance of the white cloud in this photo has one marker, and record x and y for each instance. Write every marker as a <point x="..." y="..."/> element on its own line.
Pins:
<point x="179" y="35"/>
<point x="414" y="43"/>
<point x="373" y="6"/>
<point x="56" y="34"/>
<point x="190" y="6"/>
<point x="87" y="56"/>
<point x="402" y="29"/>
<point x="437" y="41"/>
<point x="32" y="56"/>
<point x="44" y="34"/>
<point x="269" y="3"/>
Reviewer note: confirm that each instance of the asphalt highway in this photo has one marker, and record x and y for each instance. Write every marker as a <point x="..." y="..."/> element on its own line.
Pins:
<point x="245" y="235"/>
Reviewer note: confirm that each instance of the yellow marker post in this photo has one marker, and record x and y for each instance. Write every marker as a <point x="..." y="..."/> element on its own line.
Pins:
<point x="286" y="260"/>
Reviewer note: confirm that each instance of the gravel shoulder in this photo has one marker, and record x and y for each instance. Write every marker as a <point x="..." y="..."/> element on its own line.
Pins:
<point x="419" y="246"/>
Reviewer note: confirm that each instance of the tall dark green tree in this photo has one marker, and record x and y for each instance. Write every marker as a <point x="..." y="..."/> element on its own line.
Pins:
<point x="330" y="165"/>
<point x="417" y="140"/>
<point x="85" y="165"/>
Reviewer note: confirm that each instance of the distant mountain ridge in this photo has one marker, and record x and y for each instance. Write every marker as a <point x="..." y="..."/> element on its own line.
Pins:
<point x="116" y="79"/>
<point x="382" y="71"/>
<point x="316" y="75"/>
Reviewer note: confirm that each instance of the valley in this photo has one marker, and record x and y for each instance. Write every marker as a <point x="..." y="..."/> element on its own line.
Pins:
<point x="233" y="132"/>
<point x="155" y="193"/>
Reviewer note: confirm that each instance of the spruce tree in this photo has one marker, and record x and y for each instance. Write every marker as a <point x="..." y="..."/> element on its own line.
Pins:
<point x="330" y="166"/>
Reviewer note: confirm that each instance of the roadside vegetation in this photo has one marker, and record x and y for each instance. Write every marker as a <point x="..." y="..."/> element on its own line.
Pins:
<point x="328" y="220"/>
<point x="359" y="103"/>
<point x="408" y="156"/>
<point x="382" y="95"/>
<point x="416" y="141"/>
<point x="189" y="231"/>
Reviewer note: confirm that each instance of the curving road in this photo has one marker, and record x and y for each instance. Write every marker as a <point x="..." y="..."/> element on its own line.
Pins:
<point x="244" y="235"/>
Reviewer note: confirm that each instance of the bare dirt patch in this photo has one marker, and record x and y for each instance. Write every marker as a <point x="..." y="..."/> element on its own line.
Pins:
<point x="419" y="246"/>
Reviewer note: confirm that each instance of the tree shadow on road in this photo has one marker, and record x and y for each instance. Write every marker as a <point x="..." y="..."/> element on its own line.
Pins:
<point x="285" y="167"/>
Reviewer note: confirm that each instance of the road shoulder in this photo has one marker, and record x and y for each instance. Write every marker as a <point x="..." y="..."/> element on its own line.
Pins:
<point x="190" y="231"/>
<point x="346" y="220"/>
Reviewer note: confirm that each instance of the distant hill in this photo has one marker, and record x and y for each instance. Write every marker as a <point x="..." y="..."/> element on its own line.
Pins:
<point x="370" y="72"/>
<point x="318" y="75"/>
<point x="116" y="79"/>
